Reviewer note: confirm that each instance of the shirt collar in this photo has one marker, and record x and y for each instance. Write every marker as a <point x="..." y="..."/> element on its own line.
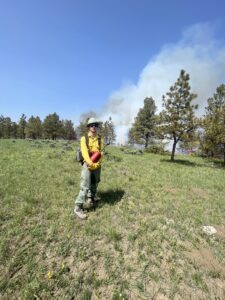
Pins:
<point x="89" y="134"/>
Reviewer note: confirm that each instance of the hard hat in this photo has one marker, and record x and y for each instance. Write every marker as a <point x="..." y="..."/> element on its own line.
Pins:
<point x="92" y="121"/>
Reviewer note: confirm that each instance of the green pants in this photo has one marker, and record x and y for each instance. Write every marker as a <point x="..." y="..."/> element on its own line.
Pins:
<point x="88" y="184"/>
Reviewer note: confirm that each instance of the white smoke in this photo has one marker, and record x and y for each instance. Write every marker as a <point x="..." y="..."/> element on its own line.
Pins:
<point x="198" y="53"/>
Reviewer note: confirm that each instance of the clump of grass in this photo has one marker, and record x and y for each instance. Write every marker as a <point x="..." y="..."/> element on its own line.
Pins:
<point x="112" y="158"/>
<point x="68" y="148"/>
<point x="52" y="145"/>
<point x="113" y="235"/>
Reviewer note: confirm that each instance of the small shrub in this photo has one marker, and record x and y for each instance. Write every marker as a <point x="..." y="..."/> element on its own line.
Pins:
<point x="68" y="148"/>
<point x="113" y="235"/>
<point x="156" y="149"/>
<point x="112" y="158"/>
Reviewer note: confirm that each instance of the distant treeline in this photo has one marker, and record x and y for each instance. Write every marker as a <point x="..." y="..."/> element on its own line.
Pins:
<point x="52" y="127"/>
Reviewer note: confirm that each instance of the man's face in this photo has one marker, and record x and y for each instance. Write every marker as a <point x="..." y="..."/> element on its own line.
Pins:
<point x="93" y="127"/>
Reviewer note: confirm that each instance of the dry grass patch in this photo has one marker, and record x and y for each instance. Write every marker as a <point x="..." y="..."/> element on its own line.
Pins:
<point x="220" y="232"/>
<point x="204" y="258"/>
<point x="200" y="192"/>
<point x="172" y="190"/>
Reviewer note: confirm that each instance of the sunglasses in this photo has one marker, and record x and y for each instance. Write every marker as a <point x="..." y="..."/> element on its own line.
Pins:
<point x="94" y="125"/>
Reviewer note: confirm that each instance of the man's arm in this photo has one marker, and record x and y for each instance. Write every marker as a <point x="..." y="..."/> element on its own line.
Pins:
<point x="84" y="151"/>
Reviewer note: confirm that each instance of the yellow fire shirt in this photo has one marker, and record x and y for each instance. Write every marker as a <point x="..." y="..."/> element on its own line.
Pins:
<point x="93" y="147"/>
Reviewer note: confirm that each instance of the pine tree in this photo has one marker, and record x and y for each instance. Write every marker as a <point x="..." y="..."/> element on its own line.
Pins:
<point x="21" y="127"/>
<point x="214" y="122"/>
<point x="2" y="119"/>
<point x="82" y="128"/>
<point x="143" y="128"/>
<point x="177" y="119"/>
<point x="69" y="132"/>
<point x="14" y="130"/>
<point x="52" y="127"/>
<point x="108" y="131"/>
<point x="5" y="127"/>
<point x="33" y="128"/>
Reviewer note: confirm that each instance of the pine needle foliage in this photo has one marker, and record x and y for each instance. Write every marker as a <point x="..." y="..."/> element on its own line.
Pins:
<point x="33" y="128"/>
<point x="177" y="119"/>
<point x="108" y="131"/>
<point x="143" y="128"/>
<point x="214" y="123"/>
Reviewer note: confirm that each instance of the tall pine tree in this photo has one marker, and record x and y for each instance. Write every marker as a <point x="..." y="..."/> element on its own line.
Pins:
<point x="33" y="128"/>
<point x="69" y="132"/>
<point x="5" y="127"/>
<point x="214" y="122"/>
<point x="108" y="131"/>
<point x="52" y="126"/>
<point x="177" y="118"/>
<point x="143" y="128"/>
<point x="21" y="127"/>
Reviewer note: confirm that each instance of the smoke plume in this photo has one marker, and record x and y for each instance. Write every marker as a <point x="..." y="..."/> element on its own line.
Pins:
<point x="198" y="52"/>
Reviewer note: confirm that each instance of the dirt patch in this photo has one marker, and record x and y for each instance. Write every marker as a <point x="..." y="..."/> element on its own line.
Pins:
<point x="200" y="192"/>
<point x="171" y="190"/>
<point x="205" y="259"/>
<point x="104" y="292"/>
<point x="220" y="232"/>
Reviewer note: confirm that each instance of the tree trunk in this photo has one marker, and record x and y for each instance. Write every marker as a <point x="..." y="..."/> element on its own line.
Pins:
<point x="146" y="141"/>
<point x="146" y="144"/>
<point x="173" y="150"/>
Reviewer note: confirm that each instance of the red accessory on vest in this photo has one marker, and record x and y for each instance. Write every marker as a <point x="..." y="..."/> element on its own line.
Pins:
<point x="95" y="156"/>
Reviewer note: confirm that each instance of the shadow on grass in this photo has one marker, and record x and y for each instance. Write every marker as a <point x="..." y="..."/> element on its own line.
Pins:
<point x="181" y="162"/>
<point x="110" y="197"/>
<point x="218" y="164"/>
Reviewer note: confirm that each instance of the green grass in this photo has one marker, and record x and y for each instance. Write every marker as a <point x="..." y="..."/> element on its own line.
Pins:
<point x="142" y="241"/>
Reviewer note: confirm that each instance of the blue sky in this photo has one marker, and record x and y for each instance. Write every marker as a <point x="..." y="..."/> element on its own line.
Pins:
<point x="71" y="57"/>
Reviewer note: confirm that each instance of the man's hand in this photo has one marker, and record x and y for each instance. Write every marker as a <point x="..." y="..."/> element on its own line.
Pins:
<point x="90" y="164"/>
<point x="93" y="166"/>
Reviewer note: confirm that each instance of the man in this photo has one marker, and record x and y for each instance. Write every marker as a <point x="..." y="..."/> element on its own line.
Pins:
<point x="90" y="174"/>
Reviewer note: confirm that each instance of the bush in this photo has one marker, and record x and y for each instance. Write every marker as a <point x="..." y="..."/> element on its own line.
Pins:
<point x="156" y="148"/>
<point x="112" y="158"/>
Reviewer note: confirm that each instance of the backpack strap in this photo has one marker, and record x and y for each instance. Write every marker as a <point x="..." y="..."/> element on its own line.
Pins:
<point x="99" y="141"/>
<point x="87" y="140"/>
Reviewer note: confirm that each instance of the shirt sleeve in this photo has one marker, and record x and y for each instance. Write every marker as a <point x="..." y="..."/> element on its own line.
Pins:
<point x="84" y="150"/>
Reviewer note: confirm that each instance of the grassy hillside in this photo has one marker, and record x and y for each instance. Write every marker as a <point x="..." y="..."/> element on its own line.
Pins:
<point x="144" y="240"/>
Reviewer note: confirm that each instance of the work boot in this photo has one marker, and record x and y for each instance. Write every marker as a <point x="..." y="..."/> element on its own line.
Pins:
<point x="78" y="210"/>
<point x="90" y="202"/>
